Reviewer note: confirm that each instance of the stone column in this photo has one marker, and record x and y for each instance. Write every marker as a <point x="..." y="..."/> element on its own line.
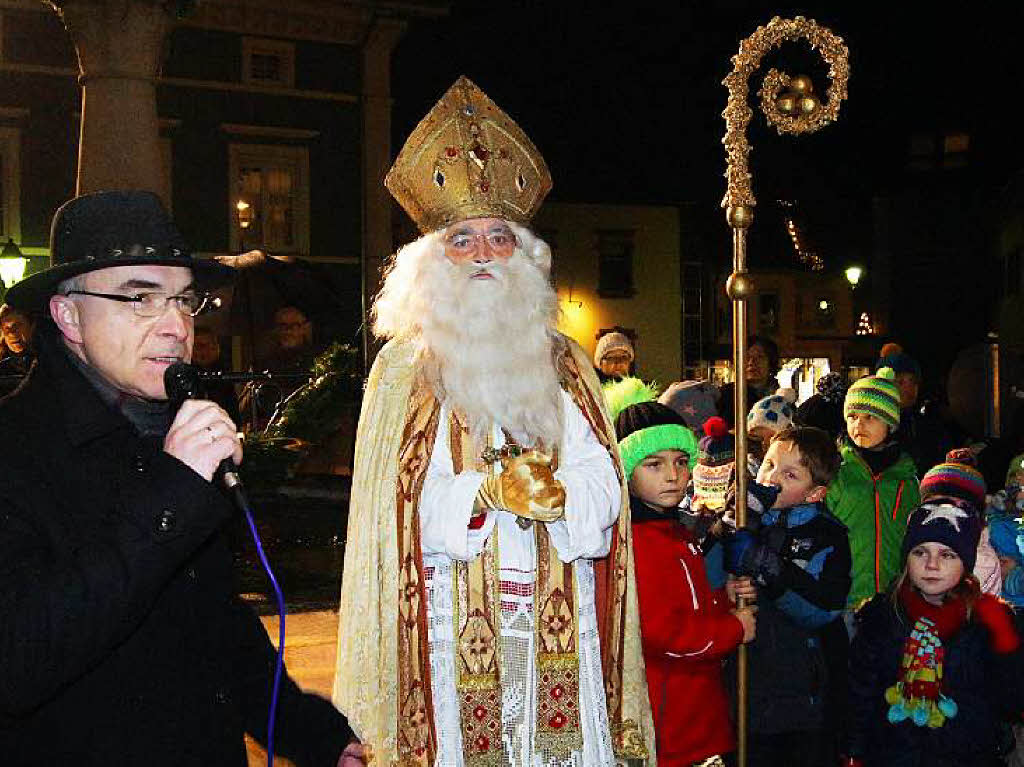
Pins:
<point x="377" y="246"/>
<point x="120" y="46"/>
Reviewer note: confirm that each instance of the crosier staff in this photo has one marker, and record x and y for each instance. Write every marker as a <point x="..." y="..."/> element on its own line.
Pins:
<point x="790" y="105"/>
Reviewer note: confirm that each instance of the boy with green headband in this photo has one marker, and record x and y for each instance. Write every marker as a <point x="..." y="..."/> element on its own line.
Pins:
<point x="686" y="627"/>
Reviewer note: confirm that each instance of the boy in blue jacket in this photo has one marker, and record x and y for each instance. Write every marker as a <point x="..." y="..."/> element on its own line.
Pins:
<point x="799" y="556"/>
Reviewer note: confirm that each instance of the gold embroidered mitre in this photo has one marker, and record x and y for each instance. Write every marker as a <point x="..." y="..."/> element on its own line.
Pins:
<point x="468" y="159"/>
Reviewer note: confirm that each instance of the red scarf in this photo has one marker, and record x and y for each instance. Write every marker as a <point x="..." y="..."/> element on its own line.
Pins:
<point x="949" y="617"/>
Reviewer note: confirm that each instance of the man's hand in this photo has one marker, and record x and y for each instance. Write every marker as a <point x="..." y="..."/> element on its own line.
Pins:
<point x="742" y="588"/>
<point x="526" y="487"/>
<point x="747" y="617"/>
<point x="355" y="755"/>
<point x="201" y="436"/>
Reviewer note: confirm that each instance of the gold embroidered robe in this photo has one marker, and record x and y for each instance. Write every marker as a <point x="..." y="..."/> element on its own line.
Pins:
<point x="382" y="679"/>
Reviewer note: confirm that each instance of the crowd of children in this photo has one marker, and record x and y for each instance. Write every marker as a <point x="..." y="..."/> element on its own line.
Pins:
<point x="876" y="608"/>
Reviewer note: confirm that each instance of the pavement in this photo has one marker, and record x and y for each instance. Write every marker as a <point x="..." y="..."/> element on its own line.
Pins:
<point x="309" y="653"/>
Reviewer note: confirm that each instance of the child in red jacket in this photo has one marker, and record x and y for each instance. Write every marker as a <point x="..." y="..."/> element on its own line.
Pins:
<point x="686" y="628"/>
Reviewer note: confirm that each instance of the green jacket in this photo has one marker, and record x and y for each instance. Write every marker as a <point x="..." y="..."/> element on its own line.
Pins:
<point x="875" y="511"/>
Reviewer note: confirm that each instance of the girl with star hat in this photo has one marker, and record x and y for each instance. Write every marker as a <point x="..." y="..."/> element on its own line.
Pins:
<point x="935" y="664"/>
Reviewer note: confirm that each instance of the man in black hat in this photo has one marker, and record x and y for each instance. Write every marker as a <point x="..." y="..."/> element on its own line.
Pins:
<point x="121" y="637"/>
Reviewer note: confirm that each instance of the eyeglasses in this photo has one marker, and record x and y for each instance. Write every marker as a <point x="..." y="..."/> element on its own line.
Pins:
<point x="501" y="239"/>
<point x="154" y="304"/>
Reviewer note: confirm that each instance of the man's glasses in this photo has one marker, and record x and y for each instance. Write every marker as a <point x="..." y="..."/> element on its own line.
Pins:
<point x="154" y="304"/>
<point x="500" y="239"/>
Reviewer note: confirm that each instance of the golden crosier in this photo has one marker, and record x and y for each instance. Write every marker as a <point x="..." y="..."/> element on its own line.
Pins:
<point x="787" y="115"/>
<point x="526" y="487"/>
<point x="468" y="159"/>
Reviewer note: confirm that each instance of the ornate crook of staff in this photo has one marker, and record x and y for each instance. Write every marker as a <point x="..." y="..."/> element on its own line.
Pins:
<point x="790" y="105"/>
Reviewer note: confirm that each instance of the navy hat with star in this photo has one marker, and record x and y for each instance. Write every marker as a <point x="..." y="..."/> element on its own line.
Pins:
<point x="950" y="523"/>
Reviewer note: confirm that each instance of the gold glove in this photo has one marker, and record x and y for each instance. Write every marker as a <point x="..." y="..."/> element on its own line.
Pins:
<point x="526" y="487"/>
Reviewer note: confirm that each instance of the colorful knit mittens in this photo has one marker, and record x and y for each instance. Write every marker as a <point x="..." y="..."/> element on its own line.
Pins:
<point x="917" y="695"/>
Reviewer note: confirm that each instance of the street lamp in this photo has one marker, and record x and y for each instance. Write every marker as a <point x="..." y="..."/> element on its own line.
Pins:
<point x="853" y="275"/>
<point x="12" y="263"/>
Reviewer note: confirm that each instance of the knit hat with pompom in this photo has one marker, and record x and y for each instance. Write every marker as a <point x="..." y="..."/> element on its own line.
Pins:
<point x="875" y="395"/>
<point x="714" y="464"/>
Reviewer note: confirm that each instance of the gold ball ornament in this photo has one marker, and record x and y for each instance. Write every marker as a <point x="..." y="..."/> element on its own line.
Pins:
<point x="809" y="105"/>
<point x="739" y="286"/>
<point x="739" y="216"/>
<point x="801" y="85"/>
<point x="787" y="103"/>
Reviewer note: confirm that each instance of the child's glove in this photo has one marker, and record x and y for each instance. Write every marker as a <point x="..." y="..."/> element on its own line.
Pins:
<point x="748" y="554"/>
<point x="996" y="618"/>
<point x="526" y="487"/>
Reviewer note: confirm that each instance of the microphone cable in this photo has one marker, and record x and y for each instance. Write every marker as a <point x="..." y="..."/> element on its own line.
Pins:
<point x="181" y="382"/>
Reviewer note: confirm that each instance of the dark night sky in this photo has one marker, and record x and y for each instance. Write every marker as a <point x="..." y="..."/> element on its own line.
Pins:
<point x="624" y="100"/>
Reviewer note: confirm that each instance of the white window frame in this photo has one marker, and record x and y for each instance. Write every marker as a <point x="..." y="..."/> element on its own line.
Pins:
<point x="266" y="46"/>
<point x="264" y="155"/>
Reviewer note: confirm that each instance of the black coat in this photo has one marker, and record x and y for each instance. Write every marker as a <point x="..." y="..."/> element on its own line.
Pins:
<point x="122" y="640"/>
<point x="984" y="685"/>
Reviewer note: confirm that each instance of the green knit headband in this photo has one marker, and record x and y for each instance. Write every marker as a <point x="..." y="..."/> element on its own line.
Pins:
<point x="643" y="442"/>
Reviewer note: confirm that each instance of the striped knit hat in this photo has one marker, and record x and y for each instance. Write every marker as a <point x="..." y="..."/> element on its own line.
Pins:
<point x="1016" y="467"/>
<point x="875" y="395"/>
<point x="956" y="477"/>
<point x="714" y="464"/>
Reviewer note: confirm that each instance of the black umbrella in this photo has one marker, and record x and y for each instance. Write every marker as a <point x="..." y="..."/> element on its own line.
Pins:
<point x="266" y="283"/>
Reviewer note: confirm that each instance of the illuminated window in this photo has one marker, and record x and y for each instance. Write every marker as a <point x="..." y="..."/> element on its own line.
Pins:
<point x="269" y="206"/>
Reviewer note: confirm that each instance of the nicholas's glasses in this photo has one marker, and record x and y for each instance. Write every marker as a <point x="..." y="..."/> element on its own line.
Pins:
<point x="154" y="304"/>
<point x="499" y="239"/>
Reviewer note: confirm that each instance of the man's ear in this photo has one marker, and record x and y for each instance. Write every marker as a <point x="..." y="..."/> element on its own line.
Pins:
<point x="817" y="494"/>
<point x="64" y="312"/>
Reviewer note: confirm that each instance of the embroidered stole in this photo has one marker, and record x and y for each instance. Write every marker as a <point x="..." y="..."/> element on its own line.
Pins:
<point x="478" y="620"/>
<point x="478" y="632"/>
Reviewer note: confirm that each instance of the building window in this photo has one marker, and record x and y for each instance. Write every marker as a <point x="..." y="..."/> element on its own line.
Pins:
<point x="930" y="151"/>
<point x="269" y="198"/>
<point x="268" y="62"/>
<point x="10" y="184"/>
<point x="615" y="263"/>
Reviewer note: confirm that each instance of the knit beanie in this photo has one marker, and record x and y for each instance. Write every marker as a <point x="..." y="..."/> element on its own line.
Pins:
<point x="643" y="426"/>
<point x="957" y="477"/>
<point x="952" y="524"/>
<point x="714" y="464"/>
<point x="774" y="412"/>
<point x="1016" y="467"/>
<point x="900" y="362"/>
<point x="612" y="342"/>
<point x="875" y="395"/>
<point x="695" y="401"/>
<point x="824" y="409"/>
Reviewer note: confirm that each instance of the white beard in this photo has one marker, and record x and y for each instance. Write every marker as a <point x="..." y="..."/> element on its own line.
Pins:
<point x="486" y="345"/>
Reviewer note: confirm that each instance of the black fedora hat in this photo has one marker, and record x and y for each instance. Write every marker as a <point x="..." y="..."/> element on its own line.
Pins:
<point x="104" y="229"/>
